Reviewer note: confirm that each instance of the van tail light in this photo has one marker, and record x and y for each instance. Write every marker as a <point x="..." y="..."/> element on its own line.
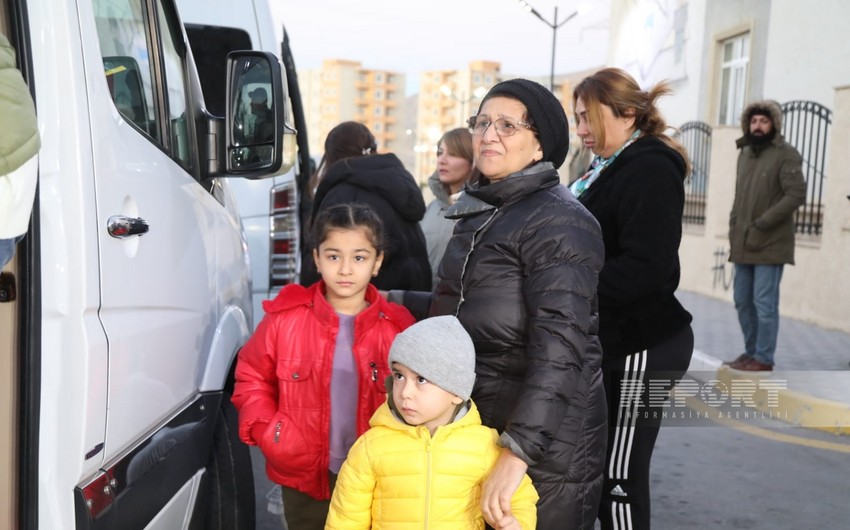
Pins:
<point x="283" y="236"/>
<point x="98" y="495"/>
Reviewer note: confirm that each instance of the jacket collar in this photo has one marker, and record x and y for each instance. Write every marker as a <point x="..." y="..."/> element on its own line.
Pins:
<point x="295" y="295"/>
<point x="438" y="188"/>
<point x="388" y="415"/>
<point x="327" y="315"/>
<point x="485" y="195"/>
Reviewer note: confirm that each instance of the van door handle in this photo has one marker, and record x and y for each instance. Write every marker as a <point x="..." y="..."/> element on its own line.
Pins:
<point x="120" y="226"/>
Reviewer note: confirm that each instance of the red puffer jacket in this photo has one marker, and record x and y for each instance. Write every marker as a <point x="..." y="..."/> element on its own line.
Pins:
<point x="283" y="379"/>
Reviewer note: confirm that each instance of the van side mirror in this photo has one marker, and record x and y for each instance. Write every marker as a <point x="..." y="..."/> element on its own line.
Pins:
<point x="255" y="126"/>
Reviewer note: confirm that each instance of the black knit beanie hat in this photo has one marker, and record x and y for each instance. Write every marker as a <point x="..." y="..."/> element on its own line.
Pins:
<point x="546" y="113"/>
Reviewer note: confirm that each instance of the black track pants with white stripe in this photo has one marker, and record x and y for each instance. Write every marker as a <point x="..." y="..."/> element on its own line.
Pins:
<point x="632" y="428"/>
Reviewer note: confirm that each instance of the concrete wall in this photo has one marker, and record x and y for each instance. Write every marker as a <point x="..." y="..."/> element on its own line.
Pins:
<point x="817" y="288"/>
<point x="807" y="50"/>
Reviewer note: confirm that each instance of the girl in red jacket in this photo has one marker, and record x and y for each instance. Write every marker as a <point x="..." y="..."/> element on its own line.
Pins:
<point x="313" y="372"/>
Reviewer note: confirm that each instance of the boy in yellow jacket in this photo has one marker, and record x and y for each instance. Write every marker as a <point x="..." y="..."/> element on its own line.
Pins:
<point x="423" y="460"/>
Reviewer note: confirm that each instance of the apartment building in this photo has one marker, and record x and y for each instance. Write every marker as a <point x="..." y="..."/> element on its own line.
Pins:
<point x="343" y="90"/>
<point x="446" y="99"/>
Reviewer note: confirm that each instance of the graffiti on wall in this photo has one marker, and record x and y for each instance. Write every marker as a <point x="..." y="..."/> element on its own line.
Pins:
<point x="723" y="272"/>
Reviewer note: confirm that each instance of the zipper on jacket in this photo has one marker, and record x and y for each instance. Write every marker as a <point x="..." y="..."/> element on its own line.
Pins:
<point x="428" y="477"/>
<point x="277" y="432"/>
<point x="466" y="259"/>
<point x="374" y="368"/>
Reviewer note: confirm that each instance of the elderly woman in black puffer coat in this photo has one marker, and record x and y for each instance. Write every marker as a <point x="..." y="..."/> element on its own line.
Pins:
<point x="520" y="273"/>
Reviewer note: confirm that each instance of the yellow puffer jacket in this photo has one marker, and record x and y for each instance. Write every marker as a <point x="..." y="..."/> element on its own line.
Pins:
<point x="398" y="477"/>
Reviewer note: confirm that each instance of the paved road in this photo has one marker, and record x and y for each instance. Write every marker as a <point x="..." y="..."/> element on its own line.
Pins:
<point x="757" y="478"/>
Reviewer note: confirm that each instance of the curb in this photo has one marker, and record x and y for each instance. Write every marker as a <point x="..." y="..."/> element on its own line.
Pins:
<point x="793" y="407"/>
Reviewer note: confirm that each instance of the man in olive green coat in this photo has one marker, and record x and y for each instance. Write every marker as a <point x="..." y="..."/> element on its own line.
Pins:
<point x="769" y="189"/>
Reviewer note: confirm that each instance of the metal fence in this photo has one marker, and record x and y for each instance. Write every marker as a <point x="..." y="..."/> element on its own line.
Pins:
<point x="696" y="137"/>
<point x="805" y="125"/>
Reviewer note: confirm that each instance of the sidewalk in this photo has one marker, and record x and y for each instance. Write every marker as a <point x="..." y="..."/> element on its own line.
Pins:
<point x="812" y="368"/>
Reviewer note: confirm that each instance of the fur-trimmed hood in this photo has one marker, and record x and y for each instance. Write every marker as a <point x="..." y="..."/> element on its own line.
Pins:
<point x="771" y="107"/>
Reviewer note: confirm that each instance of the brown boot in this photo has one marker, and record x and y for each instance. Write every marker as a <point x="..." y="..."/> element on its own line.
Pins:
<point x="753" y="365"/>
<point x="739" y="361"/>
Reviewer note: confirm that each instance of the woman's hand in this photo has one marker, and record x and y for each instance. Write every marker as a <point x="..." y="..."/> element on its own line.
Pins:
<point x="499" y="487"/>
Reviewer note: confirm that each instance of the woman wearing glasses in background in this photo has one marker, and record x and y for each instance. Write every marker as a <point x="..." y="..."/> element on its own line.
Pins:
<point x="635" y="189"/>
<point x="520" y="273"/>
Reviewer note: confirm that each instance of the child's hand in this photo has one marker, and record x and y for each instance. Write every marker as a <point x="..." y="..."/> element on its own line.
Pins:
<point x="508" y="522"/>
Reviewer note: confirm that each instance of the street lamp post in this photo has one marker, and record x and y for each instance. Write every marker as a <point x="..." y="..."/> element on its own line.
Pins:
<point x="554" y="25"/>
<point x="464" y="101"/>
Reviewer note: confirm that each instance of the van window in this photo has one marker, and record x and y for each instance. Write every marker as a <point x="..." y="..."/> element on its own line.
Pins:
<point x="124" y="32"/>
<point x="124" y="45"/>
<point x="177" y="110"/>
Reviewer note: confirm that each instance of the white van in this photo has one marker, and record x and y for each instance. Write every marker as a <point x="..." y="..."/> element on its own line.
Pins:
<point x="271" y="209"/>
<point x="129" y="298"/>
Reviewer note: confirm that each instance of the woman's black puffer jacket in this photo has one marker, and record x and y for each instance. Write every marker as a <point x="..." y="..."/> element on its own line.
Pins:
<point x="520" y="273"/>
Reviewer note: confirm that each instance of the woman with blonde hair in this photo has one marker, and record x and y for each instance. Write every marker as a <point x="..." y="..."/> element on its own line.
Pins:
<point x="454" y="169"/>
<point x="635" y="189"/>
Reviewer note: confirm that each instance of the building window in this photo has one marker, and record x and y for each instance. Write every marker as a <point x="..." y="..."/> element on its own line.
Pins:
<point x="735" y="53"/>
<point x="680" y="22"/>
<point x="379" y="94"/>
<point x="377" y="126"/>
<point x="379" y="111"/>
<point x="379" y="78"/>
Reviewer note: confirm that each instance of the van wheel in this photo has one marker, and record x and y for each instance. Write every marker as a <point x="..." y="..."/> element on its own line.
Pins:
<point x="230" y="492"/>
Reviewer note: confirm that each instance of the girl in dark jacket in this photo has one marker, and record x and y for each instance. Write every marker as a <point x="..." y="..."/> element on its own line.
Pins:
<point x="520" y="273"/>
<point x="351" y="172"/>
<point x="635" y="190"/>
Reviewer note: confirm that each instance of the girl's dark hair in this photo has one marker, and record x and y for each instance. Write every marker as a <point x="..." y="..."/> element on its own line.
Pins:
<point x="618" y="90"/>
<point x="348" y="217"/>
<point x="347" y="140"/>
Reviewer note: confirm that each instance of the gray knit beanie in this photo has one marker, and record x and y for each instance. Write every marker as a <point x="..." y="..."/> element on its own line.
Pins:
<point x="546" y="113"/>
<point x="440" y="350"/>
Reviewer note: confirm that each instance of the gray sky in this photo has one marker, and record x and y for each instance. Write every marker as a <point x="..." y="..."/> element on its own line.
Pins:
<point x="413" y="36"/>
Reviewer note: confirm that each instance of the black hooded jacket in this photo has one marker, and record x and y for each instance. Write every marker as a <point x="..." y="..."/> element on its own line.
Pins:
<point x="381" y="182"/>
<point x="638" y="201"/>
<point x="520" y="274"/>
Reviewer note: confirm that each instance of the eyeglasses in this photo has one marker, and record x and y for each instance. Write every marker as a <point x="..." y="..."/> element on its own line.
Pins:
<point x="504" y="126"/>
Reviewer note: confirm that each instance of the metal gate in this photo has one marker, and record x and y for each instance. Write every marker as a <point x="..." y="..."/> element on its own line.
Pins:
<point x="696" y="137"/>
<point x="805" y="125"/>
